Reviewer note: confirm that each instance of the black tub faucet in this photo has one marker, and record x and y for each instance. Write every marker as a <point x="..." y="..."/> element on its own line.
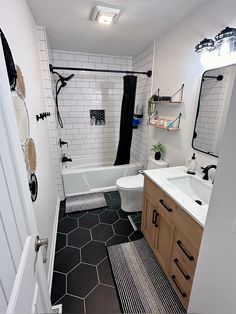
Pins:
<point x="65" y="159"/>
<point x="206" y="170"/>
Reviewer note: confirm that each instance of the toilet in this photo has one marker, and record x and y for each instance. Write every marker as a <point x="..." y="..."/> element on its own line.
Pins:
<point x="131" y="187"/>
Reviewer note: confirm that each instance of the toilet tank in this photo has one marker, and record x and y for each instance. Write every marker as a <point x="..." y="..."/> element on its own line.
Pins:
<point x="155" y="164"/>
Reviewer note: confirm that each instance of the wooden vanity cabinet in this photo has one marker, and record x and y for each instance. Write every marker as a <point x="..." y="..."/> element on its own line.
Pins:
<point x="173" y="236"/>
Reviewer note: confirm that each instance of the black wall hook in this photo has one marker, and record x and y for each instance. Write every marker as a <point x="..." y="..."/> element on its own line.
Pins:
<point x="42" y="115"/>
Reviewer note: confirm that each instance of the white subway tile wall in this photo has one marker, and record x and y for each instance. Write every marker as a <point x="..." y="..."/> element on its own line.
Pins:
<point x="143" y="62"/>
<point x="91" y="91"/>
<point x="49" y="103"/>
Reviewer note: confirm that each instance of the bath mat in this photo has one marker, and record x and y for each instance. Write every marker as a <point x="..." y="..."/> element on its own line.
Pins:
<point x="85" y="202"/>
<point x="141" y="283"/>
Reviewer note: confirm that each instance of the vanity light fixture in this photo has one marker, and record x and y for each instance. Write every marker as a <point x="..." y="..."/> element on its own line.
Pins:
<point x="205" y="45"/>
<point x="105" y="15"/>
<point x="224" y="43"/>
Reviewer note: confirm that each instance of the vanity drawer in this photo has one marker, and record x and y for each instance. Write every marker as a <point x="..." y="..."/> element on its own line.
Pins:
<point x="186" y="267"/>
<point x="180" y="285"/>
<point x="185" y="250"/>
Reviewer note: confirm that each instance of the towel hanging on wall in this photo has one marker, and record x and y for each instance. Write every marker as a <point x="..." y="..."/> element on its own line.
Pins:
<point x="126" y="120"/>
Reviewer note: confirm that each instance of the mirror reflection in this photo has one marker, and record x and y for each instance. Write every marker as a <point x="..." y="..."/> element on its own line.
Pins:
<point x="215" y="95"/>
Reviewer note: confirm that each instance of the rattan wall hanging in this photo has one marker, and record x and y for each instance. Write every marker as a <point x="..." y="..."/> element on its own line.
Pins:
<point x="20" y="84"/>
<point x="22" y="117"/>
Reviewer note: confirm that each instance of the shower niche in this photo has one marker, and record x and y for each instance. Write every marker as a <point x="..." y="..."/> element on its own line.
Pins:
<point x="97" y="117"/>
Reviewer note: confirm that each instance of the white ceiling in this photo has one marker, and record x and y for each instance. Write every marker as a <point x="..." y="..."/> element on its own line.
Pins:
<point x="69" y="26"/>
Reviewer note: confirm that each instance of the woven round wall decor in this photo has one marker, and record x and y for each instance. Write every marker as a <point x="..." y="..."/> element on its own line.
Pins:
<point x="30" y="156"/>
<point x="11" y="70"/>
<point x="21" y="117"/>
<point x="20" y="84"/>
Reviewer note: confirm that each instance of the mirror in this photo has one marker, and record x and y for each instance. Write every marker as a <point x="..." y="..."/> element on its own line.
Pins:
<point x="214" y="99"/>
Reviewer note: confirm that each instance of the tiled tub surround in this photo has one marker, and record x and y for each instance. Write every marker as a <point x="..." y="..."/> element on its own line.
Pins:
<point x="143" y="62"/>
<point x="91" y="91"/>
<point x="82" y="279"/>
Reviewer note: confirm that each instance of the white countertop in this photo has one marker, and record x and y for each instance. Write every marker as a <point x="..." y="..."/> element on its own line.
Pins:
<point x="161" y="176"/>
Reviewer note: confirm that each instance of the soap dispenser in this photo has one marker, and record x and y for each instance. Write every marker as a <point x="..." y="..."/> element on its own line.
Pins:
<point x="192" y="165"/>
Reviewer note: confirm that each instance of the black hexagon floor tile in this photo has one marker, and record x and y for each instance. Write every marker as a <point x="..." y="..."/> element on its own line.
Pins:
<point x="58" y="286"/>
<point x="67" y="224"/>
<point x="82" y="280"/>
<point x="136" y="235"/>
<point x="138" y="217"/>
<point x="115" y="195"/>
<point x="97" y="211"/>
<point x="123" y="227"/>
<point x="102" y="300"/>
<point x="117" y="239"/>
<point x="62" y="213"/>
<point x="105" y="274"/>
<point x="102" y="232"/>
<point x="88" y="221"/>
<point x="72" y="304"/>
<point x="77" y="214"/>
<point x="66" y="259"/>
<point x="61" y="241"/>
<point x="109" y="216"/>
<point x="93" y="252"/>
<point x="123" y="214"/>
<point x="113" y="204"/>
<point x="79" y="237"/>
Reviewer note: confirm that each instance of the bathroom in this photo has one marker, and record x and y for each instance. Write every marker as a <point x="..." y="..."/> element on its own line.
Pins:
<point x="40" y="34"/>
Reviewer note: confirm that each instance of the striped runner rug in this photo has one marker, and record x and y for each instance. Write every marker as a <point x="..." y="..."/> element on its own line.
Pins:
<point x="141" y="283"/>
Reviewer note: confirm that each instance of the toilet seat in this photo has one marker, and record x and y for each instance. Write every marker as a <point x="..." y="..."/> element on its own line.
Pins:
<point x="135" y="182"/>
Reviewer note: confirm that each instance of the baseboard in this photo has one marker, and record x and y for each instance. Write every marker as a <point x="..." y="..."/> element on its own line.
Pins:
<point x="53" y="247"/>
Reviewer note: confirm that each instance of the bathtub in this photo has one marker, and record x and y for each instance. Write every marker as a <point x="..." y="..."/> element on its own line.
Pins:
<point x="93" y="174"/>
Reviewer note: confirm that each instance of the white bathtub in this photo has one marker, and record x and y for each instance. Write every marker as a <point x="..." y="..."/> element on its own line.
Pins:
<point x="94" y="174"/>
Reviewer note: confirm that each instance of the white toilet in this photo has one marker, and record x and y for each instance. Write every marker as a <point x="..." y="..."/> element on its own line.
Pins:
<point x="131" y="187"/>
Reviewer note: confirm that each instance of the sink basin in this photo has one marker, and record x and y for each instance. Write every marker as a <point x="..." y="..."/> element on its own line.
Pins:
<point x="194" y="187"/>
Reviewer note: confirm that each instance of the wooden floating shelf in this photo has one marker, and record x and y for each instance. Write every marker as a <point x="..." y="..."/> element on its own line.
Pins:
<point x="164" y="127"/>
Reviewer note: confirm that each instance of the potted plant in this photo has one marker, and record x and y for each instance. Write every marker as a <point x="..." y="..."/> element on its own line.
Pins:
<point x="158" y="148"/>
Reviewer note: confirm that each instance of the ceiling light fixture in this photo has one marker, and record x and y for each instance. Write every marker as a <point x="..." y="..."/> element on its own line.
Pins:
<point x="105" y="15"/>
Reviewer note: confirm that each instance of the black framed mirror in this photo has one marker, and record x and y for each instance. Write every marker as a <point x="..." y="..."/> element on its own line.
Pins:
<point x="214" y="99"/>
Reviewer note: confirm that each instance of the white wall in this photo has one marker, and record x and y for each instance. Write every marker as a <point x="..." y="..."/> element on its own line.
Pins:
<point x="214" y="282"/>
<point x="87" y="91"/>
<point x="177" y="63"/>
<point x="19" y="28"/>
<point x="143" y="62"/>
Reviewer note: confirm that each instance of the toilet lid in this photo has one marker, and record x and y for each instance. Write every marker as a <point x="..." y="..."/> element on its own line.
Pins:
<point x="131" y="182"/>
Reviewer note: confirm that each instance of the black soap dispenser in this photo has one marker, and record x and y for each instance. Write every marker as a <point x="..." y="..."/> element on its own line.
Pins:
<point x="192" y="165"/>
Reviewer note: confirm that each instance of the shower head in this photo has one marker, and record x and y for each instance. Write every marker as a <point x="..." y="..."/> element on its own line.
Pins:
<point x="64" y="80"/>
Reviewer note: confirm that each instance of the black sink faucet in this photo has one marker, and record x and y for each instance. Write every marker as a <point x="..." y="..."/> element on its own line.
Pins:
<point x="65" y="159"/>
<point x="206" y="170"/>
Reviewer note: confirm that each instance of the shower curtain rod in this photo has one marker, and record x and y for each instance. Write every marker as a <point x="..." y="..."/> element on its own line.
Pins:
<point x="148" y="73"/>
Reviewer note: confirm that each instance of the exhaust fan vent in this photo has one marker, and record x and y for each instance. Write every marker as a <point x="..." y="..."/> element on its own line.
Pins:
<point x="105" y="15"/>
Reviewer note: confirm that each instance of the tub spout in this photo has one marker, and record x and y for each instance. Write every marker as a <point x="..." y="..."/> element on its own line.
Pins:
<point x="65" y="159"/>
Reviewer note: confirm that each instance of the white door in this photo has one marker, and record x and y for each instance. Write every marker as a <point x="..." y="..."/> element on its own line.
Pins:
<point x="23" y="287"/>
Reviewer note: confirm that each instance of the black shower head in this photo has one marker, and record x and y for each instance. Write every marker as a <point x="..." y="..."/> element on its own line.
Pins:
<point x="64" y="80"/>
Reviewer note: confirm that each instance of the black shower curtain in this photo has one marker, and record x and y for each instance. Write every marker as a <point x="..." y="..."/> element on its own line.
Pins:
<point x="126" y="120"/>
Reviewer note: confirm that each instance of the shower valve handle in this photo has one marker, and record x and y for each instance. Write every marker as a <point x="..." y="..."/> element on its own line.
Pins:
<point x="61" y="143"/>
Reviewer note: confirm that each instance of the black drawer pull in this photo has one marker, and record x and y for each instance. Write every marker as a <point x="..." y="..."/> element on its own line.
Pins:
<point x="166" y="207"/>
<point x="184" y="295"/>
<point x="154" y="216"/>
<point x="187" y="277"/>
<point x="156" y="224"/>
<point x="190" y="257"/>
